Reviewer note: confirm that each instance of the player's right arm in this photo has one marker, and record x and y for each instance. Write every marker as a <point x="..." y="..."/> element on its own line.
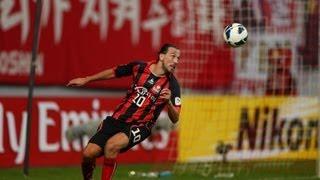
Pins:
<point x="103" y="75"/>
<point x="118" y="71"/>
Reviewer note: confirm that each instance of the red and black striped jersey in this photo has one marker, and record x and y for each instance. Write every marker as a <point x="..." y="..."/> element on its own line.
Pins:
<point x="142" y="103"/>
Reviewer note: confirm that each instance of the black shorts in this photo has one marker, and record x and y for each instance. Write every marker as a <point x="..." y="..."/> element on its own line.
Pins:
<point x="110" y="127"/>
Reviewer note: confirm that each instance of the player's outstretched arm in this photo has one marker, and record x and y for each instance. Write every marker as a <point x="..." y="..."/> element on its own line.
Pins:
<point x="106" y="74"/>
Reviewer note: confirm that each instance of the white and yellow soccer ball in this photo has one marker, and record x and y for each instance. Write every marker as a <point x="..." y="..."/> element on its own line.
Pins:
<point x="235" y="35"/>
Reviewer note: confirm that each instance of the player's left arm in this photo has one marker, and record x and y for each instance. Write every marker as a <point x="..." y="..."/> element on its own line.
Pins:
<point x="173" y="112"/>
<point x="174" y="101"/>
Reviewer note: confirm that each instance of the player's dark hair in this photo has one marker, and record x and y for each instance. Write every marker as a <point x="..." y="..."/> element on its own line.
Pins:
<point x="165" y="47"/>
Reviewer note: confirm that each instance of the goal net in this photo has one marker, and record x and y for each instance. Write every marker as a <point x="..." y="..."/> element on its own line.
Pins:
<point x="251" y="111"/>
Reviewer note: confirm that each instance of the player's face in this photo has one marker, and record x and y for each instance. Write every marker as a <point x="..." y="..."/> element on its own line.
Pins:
<point x="170" y="59"/>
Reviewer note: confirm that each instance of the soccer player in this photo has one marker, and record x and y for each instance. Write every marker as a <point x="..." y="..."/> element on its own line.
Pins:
<point x="153" y="88"/>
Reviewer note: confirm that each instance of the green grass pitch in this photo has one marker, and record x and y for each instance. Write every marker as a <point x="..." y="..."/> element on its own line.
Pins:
<point x="257" y="170"/>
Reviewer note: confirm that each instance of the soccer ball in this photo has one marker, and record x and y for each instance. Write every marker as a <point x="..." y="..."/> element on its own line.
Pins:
<point x="235" y="34"/>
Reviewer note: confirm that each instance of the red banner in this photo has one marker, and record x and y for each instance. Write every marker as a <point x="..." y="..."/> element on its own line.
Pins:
<point x="79" y="38"/>
<point x="51" y="117"/>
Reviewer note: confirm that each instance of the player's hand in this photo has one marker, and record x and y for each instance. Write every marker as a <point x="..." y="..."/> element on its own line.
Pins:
<point x="165" y="94"/>
<point x="77" y="82"/>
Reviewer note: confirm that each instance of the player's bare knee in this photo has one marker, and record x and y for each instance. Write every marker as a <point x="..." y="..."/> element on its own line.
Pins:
<point x="91" y="152"/>
<point x="87" y="154"/>
<point x="117" y="142"/>
<point x="112" y="147"/>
